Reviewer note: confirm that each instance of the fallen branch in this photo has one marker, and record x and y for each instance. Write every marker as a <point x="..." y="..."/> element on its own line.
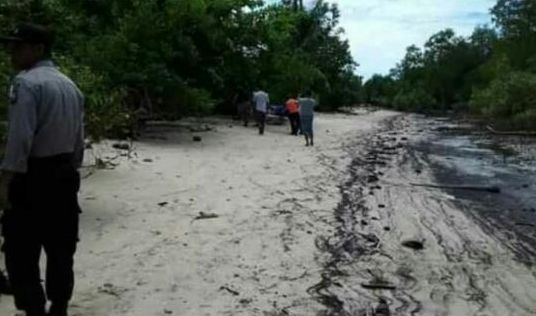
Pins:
<point x="460" y="187"/>
<point x="510" y="133"/>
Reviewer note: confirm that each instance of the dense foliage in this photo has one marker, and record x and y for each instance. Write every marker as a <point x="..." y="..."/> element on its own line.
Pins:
<point x="169" y="58"/>
<point x="491" y="73"/>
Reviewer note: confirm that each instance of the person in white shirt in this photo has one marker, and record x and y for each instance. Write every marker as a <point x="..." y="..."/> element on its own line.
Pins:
<point x="261" y="101"/>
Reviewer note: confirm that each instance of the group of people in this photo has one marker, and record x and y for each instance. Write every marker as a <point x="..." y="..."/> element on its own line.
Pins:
<point x="300" y="112"/>
<point x="40" y="181"/>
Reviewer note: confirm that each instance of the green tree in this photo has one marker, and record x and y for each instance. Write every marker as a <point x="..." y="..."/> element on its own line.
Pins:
<point x="173" y="58"/>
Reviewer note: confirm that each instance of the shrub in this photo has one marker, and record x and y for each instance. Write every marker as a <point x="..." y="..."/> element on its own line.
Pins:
<point x="509" y="100"/>
<point x="185" y="100"/>
<point x="105" y="113"/>
<point x="5" y="70"/>
<point x="414" y="99"/>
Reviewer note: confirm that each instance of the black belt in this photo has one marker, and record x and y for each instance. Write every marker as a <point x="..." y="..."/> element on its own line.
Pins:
<point x="43" y="163"/>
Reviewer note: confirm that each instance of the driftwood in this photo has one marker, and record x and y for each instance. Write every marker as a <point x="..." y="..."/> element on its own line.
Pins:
<point x="510" y="133"/>
<point x="460" y="187"/>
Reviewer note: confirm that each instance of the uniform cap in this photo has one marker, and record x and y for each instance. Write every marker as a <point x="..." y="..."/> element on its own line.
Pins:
<point x="29" y="33"/>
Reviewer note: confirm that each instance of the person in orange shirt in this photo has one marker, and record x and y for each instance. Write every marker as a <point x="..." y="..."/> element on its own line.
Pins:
<point x="293" y="111"/>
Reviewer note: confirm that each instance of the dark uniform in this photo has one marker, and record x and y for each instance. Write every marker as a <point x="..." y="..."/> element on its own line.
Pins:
<point x="44" y="150"/>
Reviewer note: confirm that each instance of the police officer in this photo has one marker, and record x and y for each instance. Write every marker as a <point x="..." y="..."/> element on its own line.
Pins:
<point x="43" y="153"/>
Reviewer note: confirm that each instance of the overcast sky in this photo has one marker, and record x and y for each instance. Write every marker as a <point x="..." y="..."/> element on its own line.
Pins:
<point x="380" y="30"/>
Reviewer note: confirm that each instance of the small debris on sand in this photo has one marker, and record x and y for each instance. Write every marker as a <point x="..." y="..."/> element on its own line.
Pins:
<point x="203" y="215"/>
<point x="382" y="309"/>
<point x="282" y="212"/>
<point x="226" y="288"/>
<point x="110" y="289"/>
<point x="413" y="244"/>
<point x="200" y="128"/>
<point x="372" y="178"/>
<point x="121" y="146"/>
<point x="378" y="286"/>
<point x="197" y="138"/>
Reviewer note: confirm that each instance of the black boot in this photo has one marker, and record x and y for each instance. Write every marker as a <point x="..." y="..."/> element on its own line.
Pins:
<point x="36" y="313"/>
<point x="5" y="287"/>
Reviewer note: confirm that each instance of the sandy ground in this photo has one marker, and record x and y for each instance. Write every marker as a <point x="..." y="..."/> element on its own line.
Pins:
<point x="298" y="230"/>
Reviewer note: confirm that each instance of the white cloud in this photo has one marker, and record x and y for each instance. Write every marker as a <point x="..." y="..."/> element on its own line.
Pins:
<point x="380" y="30"/>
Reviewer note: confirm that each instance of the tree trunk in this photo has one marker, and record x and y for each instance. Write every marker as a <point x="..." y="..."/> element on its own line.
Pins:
<point x="147" y="100"/>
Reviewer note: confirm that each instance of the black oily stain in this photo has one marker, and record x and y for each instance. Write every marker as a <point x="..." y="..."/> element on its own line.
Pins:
<point x="504" y="215"/>
<point x="413" y="244"/>
<point x="344" y="244"/>
<point x="347" y="244"/>
<point x="331" y="301"/>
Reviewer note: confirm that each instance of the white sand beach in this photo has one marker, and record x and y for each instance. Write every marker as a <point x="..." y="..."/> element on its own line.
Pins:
<point x="234" y="225"/>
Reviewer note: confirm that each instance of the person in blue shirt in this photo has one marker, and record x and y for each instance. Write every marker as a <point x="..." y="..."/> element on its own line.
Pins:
<point x="307" y="105"/>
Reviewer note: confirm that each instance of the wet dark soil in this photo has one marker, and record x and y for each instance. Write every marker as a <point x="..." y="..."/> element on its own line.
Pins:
<point x="370" y="155"/>
<point x="458" y="157"/>
<point x="470" y="157"/>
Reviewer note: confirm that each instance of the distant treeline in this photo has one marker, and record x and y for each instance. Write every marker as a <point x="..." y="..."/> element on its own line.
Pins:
<point x="491" y="73"/>
<point x="170" y="58"/>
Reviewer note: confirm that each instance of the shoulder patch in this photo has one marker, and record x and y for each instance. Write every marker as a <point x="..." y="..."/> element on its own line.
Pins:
<point x="13" y="90"/>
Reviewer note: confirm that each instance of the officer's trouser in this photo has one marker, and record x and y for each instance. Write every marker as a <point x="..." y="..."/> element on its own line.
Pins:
<point x="261" y="120"/>
<point x="43" y="215"/>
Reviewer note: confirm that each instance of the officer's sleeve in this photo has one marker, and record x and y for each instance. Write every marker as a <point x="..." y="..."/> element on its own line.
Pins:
<point x="80" y="138"/>
<point x="21" y="127"/>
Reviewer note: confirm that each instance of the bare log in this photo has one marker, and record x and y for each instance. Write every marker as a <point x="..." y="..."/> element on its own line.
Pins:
<point x="490" y="189"/>
<point x="510" y="133"/>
